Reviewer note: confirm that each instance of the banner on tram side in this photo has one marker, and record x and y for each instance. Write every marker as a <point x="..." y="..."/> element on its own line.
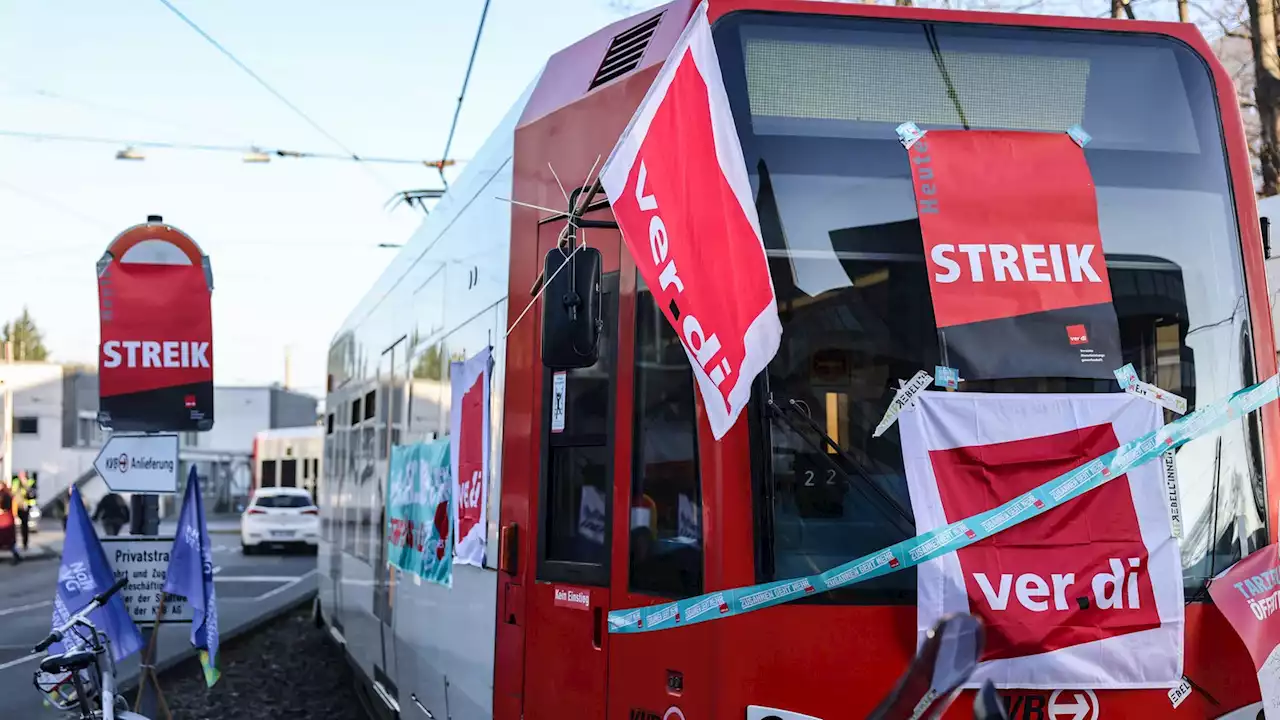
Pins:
<point x="1248" y="595"/>
<point x="469" y="420"/>
<point x="419" y="511"/>
<point x="1014" y="254"/>
<point x="678" y="184"/>
<point x="1089" y="594"/>
<point x="155" y="356"/>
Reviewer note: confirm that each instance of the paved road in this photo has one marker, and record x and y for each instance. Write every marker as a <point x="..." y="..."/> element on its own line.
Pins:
<point x="248" y="588"/>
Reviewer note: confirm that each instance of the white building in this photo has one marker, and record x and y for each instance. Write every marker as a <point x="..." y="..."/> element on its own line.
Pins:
<point x="36" y="442"/>
<point x="53" y="433"/>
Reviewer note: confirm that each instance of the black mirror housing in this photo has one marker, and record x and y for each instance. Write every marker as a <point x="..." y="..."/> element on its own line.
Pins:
<point x="571" y="306"/>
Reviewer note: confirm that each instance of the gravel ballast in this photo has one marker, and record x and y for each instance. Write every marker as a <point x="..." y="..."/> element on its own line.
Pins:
<point x="287" y="669"/>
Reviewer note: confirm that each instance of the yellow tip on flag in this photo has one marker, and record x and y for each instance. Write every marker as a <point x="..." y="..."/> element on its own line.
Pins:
<point x="211" y="673"/>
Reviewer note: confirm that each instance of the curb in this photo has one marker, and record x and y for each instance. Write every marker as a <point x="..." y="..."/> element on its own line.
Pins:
<point x="129" y="686"/>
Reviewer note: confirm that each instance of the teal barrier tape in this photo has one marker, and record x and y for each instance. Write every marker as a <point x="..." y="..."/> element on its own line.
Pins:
<point x="921" y="548"/>
<point x="946" y="377"/>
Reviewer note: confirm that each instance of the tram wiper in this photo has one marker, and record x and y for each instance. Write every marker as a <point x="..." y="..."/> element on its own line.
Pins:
<point x="903" y="520"/>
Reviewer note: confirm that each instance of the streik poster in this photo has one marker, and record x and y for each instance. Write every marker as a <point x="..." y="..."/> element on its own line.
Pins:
<point x="419" y="511"/>
<point x="1087" y="595"/>
<point x="1014" y="255"/>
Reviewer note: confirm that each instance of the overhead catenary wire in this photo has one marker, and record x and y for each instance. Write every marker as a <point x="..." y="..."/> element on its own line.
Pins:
<point x="257" y="78"/>
<point x="466" y="78"/>
<point x="131" y="113"/>
<point x="209" y="147"/>
<point x="276" y="93"/>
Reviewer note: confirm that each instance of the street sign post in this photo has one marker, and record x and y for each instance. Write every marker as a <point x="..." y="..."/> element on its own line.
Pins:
<point x="145" y="561"/>
<point x="155" y="375"/>
<point x="139" y="463"/>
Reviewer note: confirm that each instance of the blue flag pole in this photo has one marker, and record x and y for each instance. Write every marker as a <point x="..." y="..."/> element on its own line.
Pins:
<point x="83" y="573"/>
<point x="190" y="574"/>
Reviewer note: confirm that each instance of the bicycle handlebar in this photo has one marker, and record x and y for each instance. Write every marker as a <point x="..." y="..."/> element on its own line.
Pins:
<point x="98" y="601"/>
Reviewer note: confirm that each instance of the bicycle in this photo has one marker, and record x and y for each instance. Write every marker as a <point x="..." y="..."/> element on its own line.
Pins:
<point x="92" y="683"/>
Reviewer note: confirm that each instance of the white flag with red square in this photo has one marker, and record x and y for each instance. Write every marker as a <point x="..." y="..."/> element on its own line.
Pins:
<point x="680" y="193"/>
<point x="1086" y="595"/>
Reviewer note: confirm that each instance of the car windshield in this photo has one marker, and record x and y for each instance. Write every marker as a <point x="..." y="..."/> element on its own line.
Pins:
<point x="816" y="101"/>
<point x="282" y="501"/>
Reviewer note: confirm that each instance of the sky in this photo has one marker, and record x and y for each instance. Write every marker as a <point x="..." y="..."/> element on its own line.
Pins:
<point x="293" y="243"/>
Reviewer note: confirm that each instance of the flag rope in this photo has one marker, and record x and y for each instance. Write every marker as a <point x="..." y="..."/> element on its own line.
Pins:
<point x="951" y="537"/>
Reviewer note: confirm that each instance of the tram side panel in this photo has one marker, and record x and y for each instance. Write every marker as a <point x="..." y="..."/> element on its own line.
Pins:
<point x="445" y="300"/>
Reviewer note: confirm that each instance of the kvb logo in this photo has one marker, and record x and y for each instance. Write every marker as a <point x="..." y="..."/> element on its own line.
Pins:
<point x="1073" y="705"/>
<point x="118" y="463"/>
<point x="1071" y="576"/>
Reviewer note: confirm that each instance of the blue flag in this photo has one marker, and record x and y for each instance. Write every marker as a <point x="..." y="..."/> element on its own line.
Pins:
<point x="190" y="575"/>
<point x="84" y="573"/>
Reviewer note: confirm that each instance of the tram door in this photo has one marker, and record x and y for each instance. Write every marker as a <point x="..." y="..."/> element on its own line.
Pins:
<point x="391" y="385"/>
<point x="566" y="642"/>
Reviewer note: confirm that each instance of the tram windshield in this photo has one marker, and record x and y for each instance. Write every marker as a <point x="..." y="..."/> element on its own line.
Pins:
<point x="816" y="100"/>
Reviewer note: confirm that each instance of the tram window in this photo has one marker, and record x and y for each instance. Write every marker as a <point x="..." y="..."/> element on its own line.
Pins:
<point x="666" y="494"/>
<point x="355" y="412"/>
<point x="370" y="404"/>
<point x="351" y="491"/>
<point x="577" y="481"/>
<point x="577" y="505"/>
<point x="839" y="224"/>
<point x="588" y="390"/>
<point x="268" y="473"/>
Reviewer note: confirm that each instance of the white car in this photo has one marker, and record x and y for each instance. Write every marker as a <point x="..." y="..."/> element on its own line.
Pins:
<point x="280" y="517"/>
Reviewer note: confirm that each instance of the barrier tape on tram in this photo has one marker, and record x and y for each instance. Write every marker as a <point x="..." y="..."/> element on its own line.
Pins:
<point x="922" y="548"/>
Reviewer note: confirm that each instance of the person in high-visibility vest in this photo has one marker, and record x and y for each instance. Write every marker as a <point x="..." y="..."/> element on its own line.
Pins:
<point x="22" y="503"/>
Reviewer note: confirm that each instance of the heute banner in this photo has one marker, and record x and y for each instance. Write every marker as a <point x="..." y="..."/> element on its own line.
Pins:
<point x="680" y="194"/>
<point x="419" y="509"/>
<point x="1087" y="595"/>
<point x="469" y="420"/>
<point x="155" y="352"/>
<point x="1014" y="254"/>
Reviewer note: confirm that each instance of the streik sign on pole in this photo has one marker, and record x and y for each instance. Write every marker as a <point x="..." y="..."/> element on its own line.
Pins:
<point x="155" y="353"/>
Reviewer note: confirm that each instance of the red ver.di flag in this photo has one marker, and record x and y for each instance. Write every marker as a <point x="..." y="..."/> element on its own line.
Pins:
<point x="1248" y="595"/>
<point x="680" y="193"/>
<point x="155" y="357"/>
<point x="1086" y="595"/>
<point x="469" y="418"/>
<point x="1014" y="254"/>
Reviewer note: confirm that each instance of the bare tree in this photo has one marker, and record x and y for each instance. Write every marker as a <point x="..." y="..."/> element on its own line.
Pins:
<point x="1266" y="90"/>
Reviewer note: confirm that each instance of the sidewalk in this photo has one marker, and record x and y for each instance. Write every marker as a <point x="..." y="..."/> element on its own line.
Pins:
<point x="47" y="543"/>
<point x="43" y="545"/>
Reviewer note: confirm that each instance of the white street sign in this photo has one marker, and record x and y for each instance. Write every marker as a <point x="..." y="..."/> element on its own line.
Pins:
<point x="145" y="561"/>
<point x="139" y="463"/>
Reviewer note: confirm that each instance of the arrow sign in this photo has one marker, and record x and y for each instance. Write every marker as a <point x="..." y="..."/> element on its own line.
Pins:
<point x="139" y="463"/>
<point x="1083" y="705"/>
